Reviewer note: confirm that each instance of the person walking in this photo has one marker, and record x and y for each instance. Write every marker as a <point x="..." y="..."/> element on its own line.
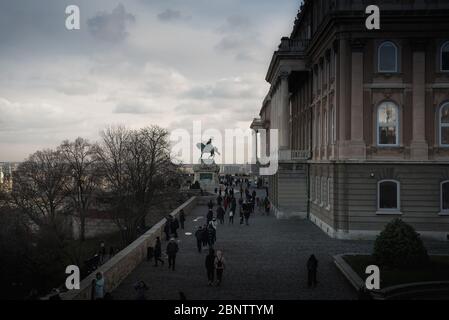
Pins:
<point x="172" y="250"/>
<point x="98" y="287"/>
<point x="266" y="204"/>
<point x="141" y="288"/>
<point x="211" y="235"/>
<point x="210" y="205"/>
<point x="219" y="199"/>
<point x="182" y="218"/>
<point x="312" y="268"/>
<point x="221" y="214"/>
<point x="174" y="226"/>
<point x="158" y="252"/>
<point x="219" y="266"/>
<point x="199" y="238"/>
<point x="205" y="236"/>
<point x="226" y="203"/>
<point x="167" y="228"/>
<point x="210" y="216"/>
<point x="233" y="204"/>
<point x="231" y="217"/>
<point x="210" y="266"/>
<point x="102" y="251"/>
<point x="247" y="213"/>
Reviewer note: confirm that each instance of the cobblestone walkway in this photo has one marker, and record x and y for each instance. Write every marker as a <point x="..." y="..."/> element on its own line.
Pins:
<point x="266" y="260"/>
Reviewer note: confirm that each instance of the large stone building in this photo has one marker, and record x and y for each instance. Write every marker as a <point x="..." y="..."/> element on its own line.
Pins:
<point x="363" y="117"/>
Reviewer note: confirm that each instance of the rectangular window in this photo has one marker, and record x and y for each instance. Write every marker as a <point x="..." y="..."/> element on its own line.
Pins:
<point x="445" y="197"/>
<point x="329" y="193"/>
<point x="388" y="195"/>
<point x="312" y="188"/>
<point x="323" y="192"/>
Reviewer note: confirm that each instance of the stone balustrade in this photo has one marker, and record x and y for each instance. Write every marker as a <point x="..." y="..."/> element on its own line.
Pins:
<point x="123" y="263"/>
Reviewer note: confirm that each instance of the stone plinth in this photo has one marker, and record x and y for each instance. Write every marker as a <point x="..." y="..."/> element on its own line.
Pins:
<point x="207" y="176"/>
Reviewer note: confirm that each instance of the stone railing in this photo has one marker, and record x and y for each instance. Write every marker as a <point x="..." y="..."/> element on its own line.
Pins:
<point x="123" y="263"/>
<point x="294" y="155"/>
<point x="293" y="45"/>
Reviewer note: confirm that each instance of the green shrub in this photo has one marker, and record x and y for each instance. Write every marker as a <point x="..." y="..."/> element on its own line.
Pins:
<point x="400" y="246"/>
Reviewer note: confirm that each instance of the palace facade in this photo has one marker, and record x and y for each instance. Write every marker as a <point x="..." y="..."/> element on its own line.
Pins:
<point x="363" y="117"/>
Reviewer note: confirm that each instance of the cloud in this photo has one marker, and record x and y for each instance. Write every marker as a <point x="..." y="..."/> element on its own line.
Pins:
<point x="239" y="38"/>
<point x="135" y="107"/>
<point x="172" y="15"/>
<point x="228" y="88"/>
<point x="31" y="120"/>
<point x="77" y="88"/>
<point x="111" y="27"/>
<point x="235" y="23"/>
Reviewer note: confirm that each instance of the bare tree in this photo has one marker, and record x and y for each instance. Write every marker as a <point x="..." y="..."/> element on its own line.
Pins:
<point x="39" y="189"/>
<point x="137" y="166"/>
<point x="82" y="171"/>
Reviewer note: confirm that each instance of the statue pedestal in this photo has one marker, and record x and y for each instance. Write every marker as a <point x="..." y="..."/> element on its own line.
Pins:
<point x="207" y="176"/>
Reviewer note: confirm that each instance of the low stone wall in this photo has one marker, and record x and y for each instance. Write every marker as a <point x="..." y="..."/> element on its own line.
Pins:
<point x="124" y="262"/>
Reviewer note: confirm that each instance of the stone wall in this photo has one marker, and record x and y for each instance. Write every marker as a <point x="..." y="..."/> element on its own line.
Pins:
<point x="124" y="262"/>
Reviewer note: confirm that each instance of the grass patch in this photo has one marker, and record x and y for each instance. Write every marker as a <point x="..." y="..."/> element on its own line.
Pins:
<point x="436" y="270"/>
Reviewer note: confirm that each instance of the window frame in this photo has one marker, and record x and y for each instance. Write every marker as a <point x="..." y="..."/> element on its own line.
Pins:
<point x="443" y="212"/>
<point x="381" y="45"/>
<point x="440" y="125"/>
<point x="441" y="56"/>
<point x="397" y="124"/>
<point x="392" y="211"/>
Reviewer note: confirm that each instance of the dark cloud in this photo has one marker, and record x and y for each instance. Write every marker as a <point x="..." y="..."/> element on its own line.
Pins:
<point x="111" y="27"/>
<point x="169" y="15"/>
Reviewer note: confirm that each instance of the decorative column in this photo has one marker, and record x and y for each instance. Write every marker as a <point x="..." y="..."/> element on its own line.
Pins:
<point x="284" y="111"/>
<point x="357" y="147"/>
<point x="342" y="96"/>
<point x="419" y="147"/>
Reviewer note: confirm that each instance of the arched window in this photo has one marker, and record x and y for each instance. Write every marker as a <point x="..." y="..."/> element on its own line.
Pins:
<point x="388" y="124"/>
<point x="388" y="195"/>
<point x="388" y="57"/>
<point x="445" y="57"/>
<point x="445" y="197"/>
<point x="444" y="125"/>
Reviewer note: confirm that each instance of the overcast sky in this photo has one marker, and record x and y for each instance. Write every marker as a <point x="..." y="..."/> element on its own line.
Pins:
<point x="135" y="63"/>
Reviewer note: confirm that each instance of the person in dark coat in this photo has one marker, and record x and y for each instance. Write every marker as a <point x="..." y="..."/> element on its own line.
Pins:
<point x="199" y="238"/>
<point x="182" y="218"/>
<point x="219" y="199"/>
<point x="172" y="250"/>
<point x="211" y="235"/>
<point x="312" y="267"/>
<point x="210" y="216"/>
<point x="220" y="214"/>
<point x="233" y="204"/>
<point x="205" y="236"/>
<point x="141" y="288"/>
<point x="158" y="252"/>
<point x="210" y="266"/>
<point x="174" y="226"/>
<point x="247" y="212"/>
<point x="167" y="228"/>
<point x="266" y="204"/>
<point x="210" y="205"/>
